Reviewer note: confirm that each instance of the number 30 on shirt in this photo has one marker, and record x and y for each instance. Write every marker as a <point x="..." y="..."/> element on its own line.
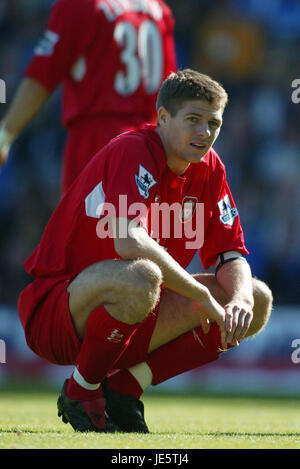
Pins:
<point x="142" y="56"/>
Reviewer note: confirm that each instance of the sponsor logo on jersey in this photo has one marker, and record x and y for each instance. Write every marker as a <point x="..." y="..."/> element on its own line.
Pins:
<point x="227" y="213"/>
<point x="46" y="45"/>
<point x="144" y="181"/>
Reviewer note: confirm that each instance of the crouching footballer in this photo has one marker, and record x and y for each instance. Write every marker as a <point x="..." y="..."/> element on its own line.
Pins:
<point x="110" y="293"/>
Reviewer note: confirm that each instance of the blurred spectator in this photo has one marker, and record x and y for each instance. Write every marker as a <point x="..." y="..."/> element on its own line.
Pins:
<point x="228" y="46"/>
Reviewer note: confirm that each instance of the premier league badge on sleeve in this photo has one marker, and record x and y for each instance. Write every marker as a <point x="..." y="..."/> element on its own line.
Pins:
<point x="227" y="212"/>
<point x="144" y="181"/>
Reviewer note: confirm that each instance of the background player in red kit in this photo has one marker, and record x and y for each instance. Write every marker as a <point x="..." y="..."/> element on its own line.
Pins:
<point x="111" y="57"/>
<point x="104" y="301"/>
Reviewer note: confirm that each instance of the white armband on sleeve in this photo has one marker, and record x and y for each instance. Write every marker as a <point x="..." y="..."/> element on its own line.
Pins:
<point x="227" y="256"/>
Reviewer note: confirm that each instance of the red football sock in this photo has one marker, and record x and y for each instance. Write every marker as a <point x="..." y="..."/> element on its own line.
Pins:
<point x="125" y="383"/>
<point x="189" y="351"/>
<point x="185" y="353"/>
<point x="75" y="391"/>
<point x="104" y="340"/>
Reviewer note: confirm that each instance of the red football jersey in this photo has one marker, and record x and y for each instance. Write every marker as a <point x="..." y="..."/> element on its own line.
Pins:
<point x="130" y="177"/>
<point x="105" y="51"/>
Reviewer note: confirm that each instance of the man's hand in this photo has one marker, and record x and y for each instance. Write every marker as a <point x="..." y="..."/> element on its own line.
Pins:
<point x="209" y="310"/>
<point x="238" y="317"/>
<point x="236" y="280"/>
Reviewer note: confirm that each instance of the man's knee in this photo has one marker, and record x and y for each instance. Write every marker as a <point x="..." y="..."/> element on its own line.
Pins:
<point x="147" y="273"/>
<point x="141" y="294"/>
<point x="129" y="290"/>
<point x="263" y="301"/>
<point x="148" y="281"/>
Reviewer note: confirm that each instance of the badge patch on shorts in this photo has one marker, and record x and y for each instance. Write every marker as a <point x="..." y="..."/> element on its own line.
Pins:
<point x="144" y="181"/>
<point x="227" y="212"/>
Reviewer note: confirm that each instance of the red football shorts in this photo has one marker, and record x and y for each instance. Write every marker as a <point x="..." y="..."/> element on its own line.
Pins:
<point x="44" y="312"/>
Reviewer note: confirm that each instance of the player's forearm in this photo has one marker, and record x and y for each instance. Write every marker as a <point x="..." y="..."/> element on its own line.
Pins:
<point x="177" y="279"/>
<point x="141" y="245"/>
<point x="236" y="279"/>
<point x="28" y="100"/>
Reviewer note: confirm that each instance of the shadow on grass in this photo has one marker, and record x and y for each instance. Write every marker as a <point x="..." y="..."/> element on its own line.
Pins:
<point x="19" y="432"/>
<point x="25" y="431"/>
<point x="232" y="434"/>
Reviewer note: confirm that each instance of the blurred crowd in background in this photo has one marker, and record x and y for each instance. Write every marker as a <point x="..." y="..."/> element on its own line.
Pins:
<point x="252" y="48"/>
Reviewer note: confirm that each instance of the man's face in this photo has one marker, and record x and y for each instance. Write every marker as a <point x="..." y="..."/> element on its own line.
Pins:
<point x="188" y="135"/>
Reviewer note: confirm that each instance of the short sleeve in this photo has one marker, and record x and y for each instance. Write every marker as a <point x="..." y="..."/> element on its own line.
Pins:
<point x="224" y="231"/>
<point x="131" y="179"/>
<point x="71" y="28"/>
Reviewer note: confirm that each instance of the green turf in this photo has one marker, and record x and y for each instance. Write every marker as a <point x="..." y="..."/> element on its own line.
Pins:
<point x="29" y="420"/>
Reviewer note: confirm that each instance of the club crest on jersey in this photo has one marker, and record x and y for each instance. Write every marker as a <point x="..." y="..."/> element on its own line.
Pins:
<point x="144" y="181"/>
<point x="188" y="207"/>
<point x="227" y="212"/>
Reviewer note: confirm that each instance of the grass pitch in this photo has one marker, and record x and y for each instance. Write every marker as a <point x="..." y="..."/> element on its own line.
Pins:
<point x="29" y="420"/>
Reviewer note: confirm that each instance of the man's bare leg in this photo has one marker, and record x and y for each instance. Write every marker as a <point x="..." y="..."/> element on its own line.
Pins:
<point x="128" y="290"/>
<point x="104" y="317"/>
<point x="178" y="344"/>
<point x="107" y="300"/>
<point x="177" y="316"/>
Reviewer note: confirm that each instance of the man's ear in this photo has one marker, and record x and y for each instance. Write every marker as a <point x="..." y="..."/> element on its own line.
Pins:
<point x="163" y="116"/>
